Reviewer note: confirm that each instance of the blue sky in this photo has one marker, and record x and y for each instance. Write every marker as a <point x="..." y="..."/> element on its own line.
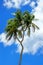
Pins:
<point x="33" y="45"/>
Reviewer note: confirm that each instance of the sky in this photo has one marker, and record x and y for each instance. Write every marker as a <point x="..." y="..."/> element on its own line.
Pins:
<point x="33" y="45"/>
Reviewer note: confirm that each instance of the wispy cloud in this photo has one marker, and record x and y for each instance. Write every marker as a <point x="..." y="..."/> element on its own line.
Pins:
<point x="8" y="3"/>
<point x="32" y="4"/>
<point x="17" y="3"/>
<point x="26" y="2"/>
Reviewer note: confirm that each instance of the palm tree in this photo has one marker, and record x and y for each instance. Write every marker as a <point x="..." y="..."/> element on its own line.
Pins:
<point x="18" y="25"/>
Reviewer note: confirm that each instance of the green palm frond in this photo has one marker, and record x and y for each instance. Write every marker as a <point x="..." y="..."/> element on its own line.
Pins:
<point x="34" y="26"/>
<point x="9" y="36"/>
<point x="7" y="29"/>
<point x="15" y="35"/>
<point x="32" y="17"/>
<point x="18" y="15"/>
<point x="24" y="26"/>
<point x="9" y="33"/>
<point x="28" y="31"/>
<point x="19" y="33"/>
<point x="35" y="19"/>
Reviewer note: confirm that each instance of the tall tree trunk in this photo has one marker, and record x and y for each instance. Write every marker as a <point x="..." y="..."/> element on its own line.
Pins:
<point x="21" y="47"/>
<point x="21" y="54"/>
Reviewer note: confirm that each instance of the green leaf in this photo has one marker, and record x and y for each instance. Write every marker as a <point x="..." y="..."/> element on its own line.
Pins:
<point x="28" y="32"/>
<point x="34" y="26"/>
<point x="10" y="36"/>
<point x="20" y="33"/>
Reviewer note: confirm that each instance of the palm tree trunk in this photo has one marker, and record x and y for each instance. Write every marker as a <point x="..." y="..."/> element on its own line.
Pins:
<point x="21" y="54"/>
<point x="21" y="49"/>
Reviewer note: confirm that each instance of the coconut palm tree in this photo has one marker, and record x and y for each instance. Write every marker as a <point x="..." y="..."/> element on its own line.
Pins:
<point x="18" y="25"/>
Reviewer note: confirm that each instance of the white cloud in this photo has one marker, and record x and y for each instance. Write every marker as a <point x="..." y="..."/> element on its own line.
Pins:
<point x="26" y="2"/>
<point x="4" y="40"/>
<point x="18" y="3"/>
<point x="8" y="3"/>
<point x="12" y="3"/>
<point x="35" y="42"/>
<point x="32" y="4"/>
<point x="32" y="44"/>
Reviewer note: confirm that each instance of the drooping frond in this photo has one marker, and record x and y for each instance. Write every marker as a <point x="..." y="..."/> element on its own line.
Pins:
<point x="34" y="26"/>
<point x="20" y="33"/>
<point x="9" y="36"/>
<point x="35" y="19"/>
<point x="18" y="15"/>
<point x="9" y="33"/>
<point x="32" y="17"/>
<point x="28" y="31"/>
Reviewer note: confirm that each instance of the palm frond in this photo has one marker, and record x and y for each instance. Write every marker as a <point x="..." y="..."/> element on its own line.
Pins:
<point x="35" y="26"/>
<point x="10" y="32"/>
<point x="7" y="28"/>
<point x="28" y="31"/>
<point x="10" y="21"/>
<point x="18" y="15"/>
<point x="7" y="35"/>
<point x="35" y="19"/>
<point x="15" y="35"/>
<point x="10" y="36"/>
<point x="19" y="33"/>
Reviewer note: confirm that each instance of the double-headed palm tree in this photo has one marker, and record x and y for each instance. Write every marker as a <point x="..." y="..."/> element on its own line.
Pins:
<point x="17" y="27"/>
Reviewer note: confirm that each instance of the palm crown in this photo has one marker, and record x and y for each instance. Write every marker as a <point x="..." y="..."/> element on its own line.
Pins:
<point x="23" y="20"/>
